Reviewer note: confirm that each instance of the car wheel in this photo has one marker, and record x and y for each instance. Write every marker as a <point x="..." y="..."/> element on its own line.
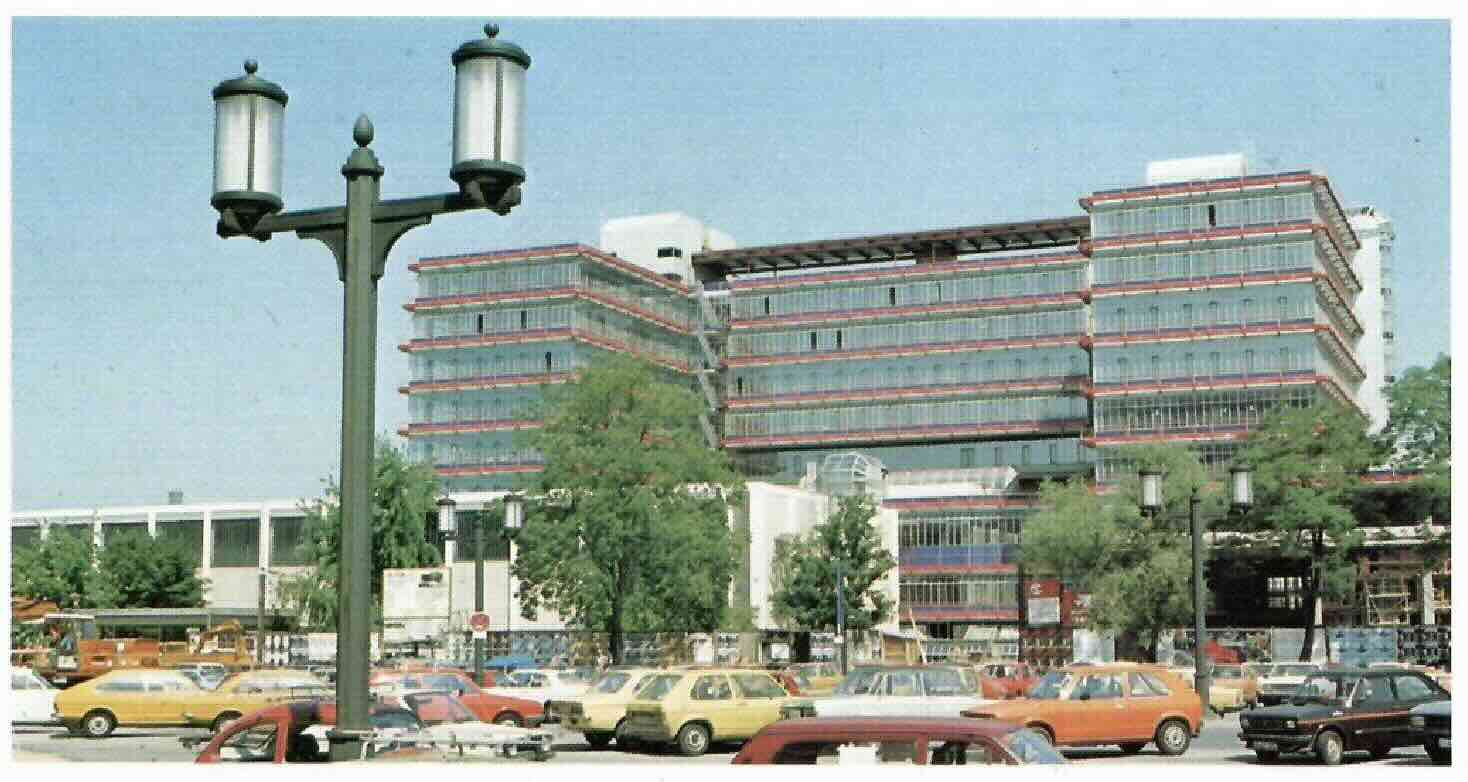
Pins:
<point x="1132" y="748"/>
<point x="1173" y="737"/>
<point x="693" y="740"/>
<point x="223" y="721"/>
<point x="98" y="724"/>
<point x="1438" y="752"/>
<point x="510" y="719"/>
<point x="1045" y="732"/>
<point x="1266" y="755"/>
<point x="1329" y="748"/>
<point x="598" y="740"/>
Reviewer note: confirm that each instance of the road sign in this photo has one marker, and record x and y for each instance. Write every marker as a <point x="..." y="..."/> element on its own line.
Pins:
<point x="479" y="622"/>
<point x="481" y="635"/>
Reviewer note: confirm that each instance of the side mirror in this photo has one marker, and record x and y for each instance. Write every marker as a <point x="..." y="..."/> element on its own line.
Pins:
<point x="1085" y="696"/>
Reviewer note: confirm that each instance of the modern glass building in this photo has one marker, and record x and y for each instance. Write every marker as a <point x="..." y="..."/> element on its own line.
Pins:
<point x="492" y="330"/>
<point x="1178" y="311"/>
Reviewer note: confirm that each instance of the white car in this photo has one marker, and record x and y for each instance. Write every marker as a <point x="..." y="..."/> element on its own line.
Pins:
<point x="919" y="691"/>
<point x="32" y="699"/>
<point x="539" y="684"/>
<point x="1278" y="681"/>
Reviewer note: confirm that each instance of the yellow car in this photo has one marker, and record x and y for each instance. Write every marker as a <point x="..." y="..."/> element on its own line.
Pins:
<point x="247" y="692"/>
<point x="693" y="709"/>
<point x="815" y="678"/>
<point x="133" y="697"/>
<point x="599" y="713"/>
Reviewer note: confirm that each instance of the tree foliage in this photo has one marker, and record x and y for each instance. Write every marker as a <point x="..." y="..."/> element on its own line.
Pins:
<point x="627" y="525"/>
<point x="1419" y="430"/>
<point x="135" y="570"/>
<point x="58" y="568"/>
<point x="1307" y="471"/>
<point x="805" y="570"/>
<point x="1138" y="568"/>
<point x="404" y="496"/>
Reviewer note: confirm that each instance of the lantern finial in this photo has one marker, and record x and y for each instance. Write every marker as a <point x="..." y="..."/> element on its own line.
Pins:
<point x="251" y="66"/>
<point x="491" y="30"/>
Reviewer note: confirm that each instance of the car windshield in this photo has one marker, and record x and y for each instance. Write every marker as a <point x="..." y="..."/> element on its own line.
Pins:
<point x="945" y="681"/>
<point x="1031" y="747"/>
<point x="450" y="682"/>
<point x="612" y="682"/>
<point x="859" y="682"/>
<point x="433" y="708"/>
<point x="656" y="687"/>
<point x="1050" y="687"/>
<point x="1322" y="688"/>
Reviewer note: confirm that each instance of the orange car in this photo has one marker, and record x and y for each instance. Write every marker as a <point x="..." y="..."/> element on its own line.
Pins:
<point x="1114" y="703"/>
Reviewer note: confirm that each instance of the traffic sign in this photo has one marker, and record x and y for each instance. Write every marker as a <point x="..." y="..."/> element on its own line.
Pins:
<point x="479" y="622"/>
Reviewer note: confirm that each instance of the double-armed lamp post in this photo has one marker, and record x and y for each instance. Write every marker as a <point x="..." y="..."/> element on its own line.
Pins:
<point x="448" y="526"/>
<point x="1242" y="494"/>
<point x="249" y="141"/>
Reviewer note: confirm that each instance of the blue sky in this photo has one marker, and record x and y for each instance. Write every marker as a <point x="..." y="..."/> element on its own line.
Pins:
<point x="149" y="355"/>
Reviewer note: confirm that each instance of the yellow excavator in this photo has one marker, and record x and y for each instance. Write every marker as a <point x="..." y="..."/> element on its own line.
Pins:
<point x="73" y="653"/>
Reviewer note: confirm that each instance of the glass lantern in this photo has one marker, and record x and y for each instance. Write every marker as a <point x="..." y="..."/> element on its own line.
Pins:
<point x="489" y="116"/>
<point x="249" y="146"/>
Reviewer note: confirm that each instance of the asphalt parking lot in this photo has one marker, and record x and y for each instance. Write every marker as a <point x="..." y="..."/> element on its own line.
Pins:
<point x="1217" y="745"/>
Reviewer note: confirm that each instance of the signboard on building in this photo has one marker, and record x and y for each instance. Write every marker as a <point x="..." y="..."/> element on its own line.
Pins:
<point x="1042" y="603"/>
<point x="415" y="603"/>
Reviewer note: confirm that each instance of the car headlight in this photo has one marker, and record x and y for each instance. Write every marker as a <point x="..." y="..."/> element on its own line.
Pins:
<point x="1419" y="721"/>
<point x="1289" y="724"/>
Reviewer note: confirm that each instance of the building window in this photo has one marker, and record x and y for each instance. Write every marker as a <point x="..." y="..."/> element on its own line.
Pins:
<point x="287" y="539"/>
<point x="547" y="361"/>
<point x="812" y="340"/>
<point x="767" y="305"/>
<point x="479" y="323"/>
<point x="524" y="320"/>
<point x="236" y="543"/>
<point x="739" y="386"/>
<point x="838" y="339"/>
<point x="1212" y="216"/>
<point x="670" y="252"/>
<point x="188" y="535"/>
<point x="965" y="457"/>
<point x="892" y="297"/>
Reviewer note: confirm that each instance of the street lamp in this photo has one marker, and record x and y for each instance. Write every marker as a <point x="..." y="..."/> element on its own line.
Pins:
<point x="1241" y="496"/>
<point x="448" y="524"/>
<point x="487" y="165"/>
<point x="514" y="520"/>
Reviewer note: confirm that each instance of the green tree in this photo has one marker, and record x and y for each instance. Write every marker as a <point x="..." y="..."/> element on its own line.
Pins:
<point x="627" y="527"/>
<point x="135" y="570"/>
<point x="404" y="496"/>
<point x="1137" y="567"/>
<point x="805" y="570"/>
<point x="1307" y="469"/>
<point x="59" y="569"/>
<point x="1420" y="429"/>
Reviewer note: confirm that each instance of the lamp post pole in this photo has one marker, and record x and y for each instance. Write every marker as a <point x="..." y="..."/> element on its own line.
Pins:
<point x="249" y="136"/>
<point x="514" y="520"/>
<point x="1200" y="624"/>
<point x="841" y="614"/>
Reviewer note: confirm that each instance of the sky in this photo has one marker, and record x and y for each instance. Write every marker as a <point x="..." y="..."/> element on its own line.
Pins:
<point x="150" y="355"/>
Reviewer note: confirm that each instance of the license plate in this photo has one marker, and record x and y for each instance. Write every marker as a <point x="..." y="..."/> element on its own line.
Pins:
<point x="1266" y="746"/>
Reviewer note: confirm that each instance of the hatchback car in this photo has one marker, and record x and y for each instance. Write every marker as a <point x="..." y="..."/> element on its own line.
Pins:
<point x="131" y="697"/>
<point x="1127" y="704"/>
<point x="601" y="713"/>
<point x="32" y="698"/>
<point x="489" y="707"/>
<point x="932" y="741"/>
<point x="693" y="709"/>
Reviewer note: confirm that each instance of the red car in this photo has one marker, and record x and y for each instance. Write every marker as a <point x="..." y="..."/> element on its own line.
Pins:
<point x="1002" y="681"/>
<point x="500" y="709"/>
<point x="257" y="736"/>
<point x="931" y="741"/>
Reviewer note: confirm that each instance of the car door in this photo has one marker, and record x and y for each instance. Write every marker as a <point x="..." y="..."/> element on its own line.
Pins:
<point x="1095" y="710"/>
<point x="759" y="700"/>
<point x="126" y="697"/>
<point x="713" y="697"/>
<point x="1412" y="689"/>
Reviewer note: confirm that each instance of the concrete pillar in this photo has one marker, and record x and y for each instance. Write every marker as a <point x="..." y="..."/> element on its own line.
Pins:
<point x="96" y="529"/>
<point x="152" y="523"/>
<point x="207" y="555"/>
<point x="264" y="555"/>
<point x="1429" y="600"/>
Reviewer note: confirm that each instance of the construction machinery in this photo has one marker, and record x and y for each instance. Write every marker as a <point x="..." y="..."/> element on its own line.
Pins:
<point x="73" y="653"/>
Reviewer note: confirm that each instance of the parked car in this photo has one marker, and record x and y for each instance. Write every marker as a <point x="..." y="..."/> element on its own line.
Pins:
<point x="815" y="678"/>
<point x="539" y="684"/>
<point x="931" y="741"/>
<point x="32" y="698"/>
<point x="1432" y="722"/>
<point x="1338" y="711"/>
<point x="600" y="713"/>
<point x="1278" y="681"/>
<point x="1128" y="704"/>
<point x="398" y="733"/>
<point x="487" y="706"/>
<point x="692" y="709"/>
<point x="906" y="691"/>
<point x="1006" y="679"/>
<point x="131" y="697"/>
<point x="1233" y="687"/>
<point x="243" y="693"/>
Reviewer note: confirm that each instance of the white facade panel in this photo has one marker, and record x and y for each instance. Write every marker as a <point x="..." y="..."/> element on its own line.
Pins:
<point x="639" y="239"/>
<point x="1187" y="169"/>
<point x="1372" y="265"/>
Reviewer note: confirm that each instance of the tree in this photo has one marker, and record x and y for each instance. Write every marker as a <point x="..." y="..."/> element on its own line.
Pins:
<point x="1138" y="568"/>
<point x="1419" y="431"/>
<point x="136" y="570"/>
<point x="805" y="570"/>
<point x="627" y="526"/>
<point x="404" y="495"/>
<point x="1307" y="469"/>
<point x="59" y="569"/>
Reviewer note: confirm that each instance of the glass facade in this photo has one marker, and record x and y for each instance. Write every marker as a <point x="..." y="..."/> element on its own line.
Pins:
<point x="287" y="541"/>
<point x="236" y="543"/>
<point x="187" y="533"/>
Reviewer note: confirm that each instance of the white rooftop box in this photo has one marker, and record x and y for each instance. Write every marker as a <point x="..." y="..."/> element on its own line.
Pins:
<point x="1188" y="169"/>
